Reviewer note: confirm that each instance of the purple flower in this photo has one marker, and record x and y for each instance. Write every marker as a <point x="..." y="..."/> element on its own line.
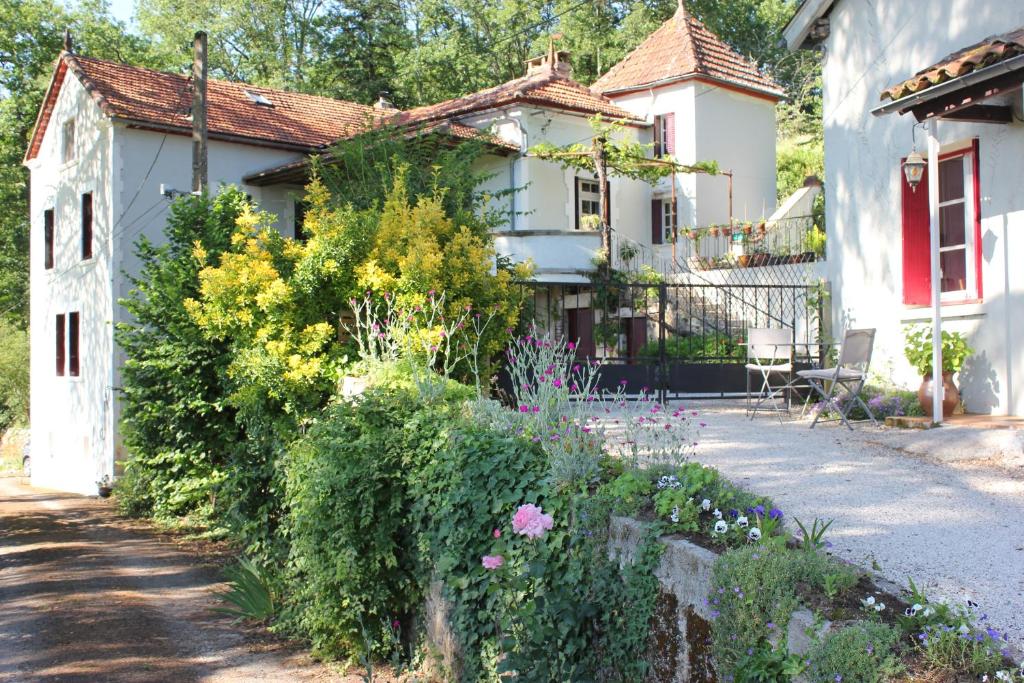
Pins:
<point x="775" y="513"/>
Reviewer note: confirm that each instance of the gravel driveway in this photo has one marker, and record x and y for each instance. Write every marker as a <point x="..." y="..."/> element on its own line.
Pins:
<point x="85" y="596"/>
<point x="955" y="528"/>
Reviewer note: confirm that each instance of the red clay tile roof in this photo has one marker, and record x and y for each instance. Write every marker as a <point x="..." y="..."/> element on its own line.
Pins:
<point x="147" y="97"/>
<point x="992" y="50"/>
<point x="546" y="88"/>
<point x="681" y="48"/>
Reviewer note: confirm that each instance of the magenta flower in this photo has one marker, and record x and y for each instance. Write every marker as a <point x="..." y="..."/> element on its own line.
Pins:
<point x="524" y="409"/>
<point x="557" y="383"/>
<point x="492" y="561"/>
<point x="497" y="533"/>
<point x="572" y="346"/>
<point x="530" y="521"/>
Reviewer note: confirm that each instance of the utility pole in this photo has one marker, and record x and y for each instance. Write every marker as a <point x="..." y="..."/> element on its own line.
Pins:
<point x="199" y="104"/>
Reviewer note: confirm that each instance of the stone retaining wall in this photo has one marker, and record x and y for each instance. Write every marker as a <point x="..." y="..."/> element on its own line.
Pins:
<point x="680" y="647"/>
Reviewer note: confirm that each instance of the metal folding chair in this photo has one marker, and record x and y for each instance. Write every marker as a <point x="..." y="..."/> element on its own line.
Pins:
<point x="849" y="375"/>
<point x="766" y="347"/>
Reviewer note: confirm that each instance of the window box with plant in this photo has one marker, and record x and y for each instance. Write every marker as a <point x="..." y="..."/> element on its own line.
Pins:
<point x="955" y="352"/>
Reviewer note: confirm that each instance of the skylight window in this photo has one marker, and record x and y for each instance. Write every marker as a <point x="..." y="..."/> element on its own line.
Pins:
<point x="259" y="99"/>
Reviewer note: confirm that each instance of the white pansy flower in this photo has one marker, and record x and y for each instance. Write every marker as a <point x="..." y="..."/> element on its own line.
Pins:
<point x="928" y="611"/>
<point x="964" y="628"/>
<point x="705" y="505"/>
<point x="754" y="534"/>
<point x="742" y="522"/>
<point x="868" y="601"/>
<point x="675" y="515"/>
<point x="717" y="513"/>
<point x="879" y="607"/>
<point x="721" y="527"/>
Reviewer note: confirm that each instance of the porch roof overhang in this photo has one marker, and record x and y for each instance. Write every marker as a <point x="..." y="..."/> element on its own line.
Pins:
<point x="963" y="98"/>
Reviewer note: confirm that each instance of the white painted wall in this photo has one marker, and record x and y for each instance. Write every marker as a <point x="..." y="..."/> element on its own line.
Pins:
<point x="715" y="124"/>
<point x="875" y="44"/>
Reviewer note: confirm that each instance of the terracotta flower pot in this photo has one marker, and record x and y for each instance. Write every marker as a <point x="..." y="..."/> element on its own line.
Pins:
<point x="747" y="229"/>
<point x="950" y="396"/>
<point x="744" y="260"/>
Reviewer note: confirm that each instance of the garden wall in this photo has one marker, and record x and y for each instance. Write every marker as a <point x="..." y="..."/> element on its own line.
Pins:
<point x="680" y="644"/>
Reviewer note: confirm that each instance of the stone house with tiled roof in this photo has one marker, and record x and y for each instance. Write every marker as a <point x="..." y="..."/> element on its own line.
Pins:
<point x="898" y="80"/>
<point x="110" y="138"/>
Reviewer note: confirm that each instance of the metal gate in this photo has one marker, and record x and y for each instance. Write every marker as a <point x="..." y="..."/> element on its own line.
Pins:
<point x="676" y="339"/>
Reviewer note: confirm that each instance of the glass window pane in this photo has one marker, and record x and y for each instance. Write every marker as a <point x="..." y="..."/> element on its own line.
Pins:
<point x="952" y="225"/>
<point x="954" y="270"/>
<point x="951" y="179"/>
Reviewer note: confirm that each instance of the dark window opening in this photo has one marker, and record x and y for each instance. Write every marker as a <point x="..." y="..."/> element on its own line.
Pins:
<point x="87" y="225"/>
<point x="48" y="239"/>
<point x="73" y="344"/>
<point x="300" y="221"/>
<point x="59" y="339"/>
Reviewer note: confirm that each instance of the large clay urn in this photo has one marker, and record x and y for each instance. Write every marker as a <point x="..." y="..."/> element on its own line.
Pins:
<point x="950" y="396"/>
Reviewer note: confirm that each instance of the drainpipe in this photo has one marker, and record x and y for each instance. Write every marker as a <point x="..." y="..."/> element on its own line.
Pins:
<point x="523" y="147"/>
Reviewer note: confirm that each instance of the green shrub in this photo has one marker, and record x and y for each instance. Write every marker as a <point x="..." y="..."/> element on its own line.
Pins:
<point x="861" y="653"/>
<point x="954" y="649"/>
<point x="753" y="598"/>
<point x="349" y="539"/>
<point x="705" y="348"/>
<point x="14" y="375"/>
<point x="175" y="423"/>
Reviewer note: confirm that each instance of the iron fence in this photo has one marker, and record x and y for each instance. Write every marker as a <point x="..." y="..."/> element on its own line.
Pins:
<point x="674" y="338"/>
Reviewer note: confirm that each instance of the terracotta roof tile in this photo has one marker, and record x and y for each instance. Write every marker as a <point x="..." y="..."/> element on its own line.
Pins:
<point x="682" y="47"/>
<point x="547" y="88"/>
<point x="990" y="51"/>
<point x="163" y="99"/>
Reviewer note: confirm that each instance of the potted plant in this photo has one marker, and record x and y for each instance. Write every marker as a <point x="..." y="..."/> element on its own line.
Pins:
<point x="761" y="227"/>
<point x="747" y="228"/>
<point x="727" y="230"/>
<point x="955" y="351"/>
<point x="814" y="244"/>
<point x="692" y="234"/>
<point x="713" y="230"/>
<point x="104" y="486"/>
<point x="744" y="260"/>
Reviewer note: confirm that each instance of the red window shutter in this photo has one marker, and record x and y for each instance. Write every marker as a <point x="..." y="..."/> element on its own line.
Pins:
<point x="670" y="133"/>
<point x="637" y="336"/>
<point x="581" y="331"/>
<point x="87" y="225"/>
<point x="73" y="344"/>
<point x="917" y="274"/>
<point x="59" y="339"/>
<point x="48" y="239"/>
<point x="656" y="231"/>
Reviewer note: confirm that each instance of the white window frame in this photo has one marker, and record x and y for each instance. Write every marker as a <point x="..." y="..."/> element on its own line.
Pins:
<point x="669" y="218"/>
<point x="969" y="247"/>
<point x="591" y="199"/>
<point x="661" y="144"/>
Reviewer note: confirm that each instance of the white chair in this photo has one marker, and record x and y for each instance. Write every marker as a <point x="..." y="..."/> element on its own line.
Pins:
<point x="850" y="374"/>
<point x="769" y="352"/>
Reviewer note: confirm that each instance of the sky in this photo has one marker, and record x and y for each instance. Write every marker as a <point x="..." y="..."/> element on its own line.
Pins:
<point x="123" y="10"/>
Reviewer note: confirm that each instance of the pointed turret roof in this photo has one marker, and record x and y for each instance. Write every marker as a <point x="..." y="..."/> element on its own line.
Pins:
<point x="684" y="48"/>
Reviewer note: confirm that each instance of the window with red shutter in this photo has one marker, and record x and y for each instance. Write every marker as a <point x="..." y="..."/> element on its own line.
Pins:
<point x="959" y="233"/>
<point x="917" y="280"/>
<point x="73" y="344"/>
<point x="48" y="239"/>
<point x="670" y="134"/>
<point x="60" y="341"/>
<point x="87" y="225"/>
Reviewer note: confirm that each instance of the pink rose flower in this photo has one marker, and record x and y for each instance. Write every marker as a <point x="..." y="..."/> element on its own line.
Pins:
<point x="497" y="533"/>
<point x="530" y="521"/>
<point x="492" y="562"/>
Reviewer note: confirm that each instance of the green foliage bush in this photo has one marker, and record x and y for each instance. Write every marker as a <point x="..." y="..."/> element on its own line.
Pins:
<point x="860" y="653"/>
<point x="14" y="375"/>
<point x="715" y="347"/>
<point x="176" y="425"/>
<point x="918" y="349"/>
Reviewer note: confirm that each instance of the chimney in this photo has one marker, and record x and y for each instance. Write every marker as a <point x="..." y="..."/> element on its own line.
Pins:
<point x="69" y="43"/>
<point x="384" y="103"/>
<point x="557" y="61"/>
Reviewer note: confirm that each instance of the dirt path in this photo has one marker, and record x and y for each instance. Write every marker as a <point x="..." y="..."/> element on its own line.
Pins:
<point x="86" y="596"/>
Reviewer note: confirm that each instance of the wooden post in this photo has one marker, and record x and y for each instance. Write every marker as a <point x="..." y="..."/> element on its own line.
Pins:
<point x="933" y="218"/>
<point x="601" y="167"/>
<point x="199" y="104"/>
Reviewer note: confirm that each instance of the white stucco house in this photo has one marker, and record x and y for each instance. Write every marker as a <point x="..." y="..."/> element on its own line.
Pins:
<point x="891" y="84"/>
<point x="110" y="136"/>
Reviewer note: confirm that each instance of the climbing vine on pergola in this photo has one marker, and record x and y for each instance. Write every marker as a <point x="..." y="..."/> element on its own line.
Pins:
<point x="624" y="158"/>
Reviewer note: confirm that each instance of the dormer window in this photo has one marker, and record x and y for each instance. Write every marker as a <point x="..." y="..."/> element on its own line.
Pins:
<point x="67" y="145"/>
<point x="259" y="99"/>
